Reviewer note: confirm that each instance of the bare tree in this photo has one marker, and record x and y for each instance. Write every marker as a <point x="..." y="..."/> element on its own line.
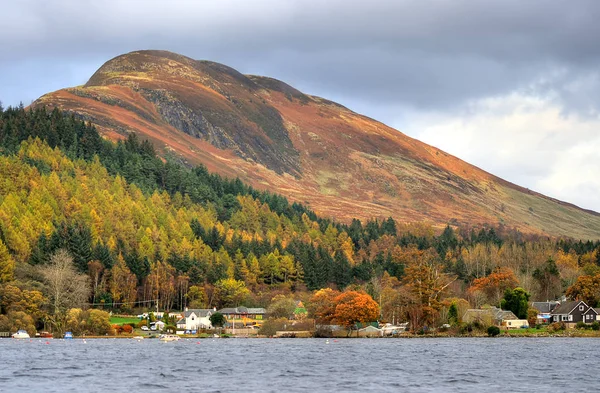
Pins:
<point x="66" y="287"/>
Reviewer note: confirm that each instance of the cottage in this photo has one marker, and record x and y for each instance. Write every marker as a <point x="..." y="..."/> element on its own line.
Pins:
<point x="195" y="319"/>
<point x="158" y="325"/>
<point x="243" y="313"/>
<point x="591" y="315"/>
<point x="570" y="312"/>
<point x="488" y="316"/>
<point x="545" y="310"/>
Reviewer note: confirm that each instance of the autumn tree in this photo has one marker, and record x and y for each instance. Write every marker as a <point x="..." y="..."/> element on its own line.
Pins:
<point x="16" y="320"/>
<point x="321" y="305"/>
<point x="231" y="292"/>
<point x="13" y="298"/>
<point x="354" y="307"/>
<point x="95" y="322"/>
<point x="122" y="283"/>
<point x="427" y="281"/>
<point x="586" y="288"/>
<point x="7" y="264"/>
<point x="495" y="284"/>
<point x="66" y="288"/>
<point x="196" y="297"/>
<point x="95" y="272"/>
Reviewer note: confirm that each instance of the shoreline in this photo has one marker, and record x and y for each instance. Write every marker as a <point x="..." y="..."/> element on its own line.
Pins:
<point x="564" y="334"/>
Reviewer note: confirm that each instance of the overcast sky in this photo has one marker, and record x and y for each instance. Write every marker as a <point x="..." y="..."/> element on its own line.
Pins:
<point x="510" y="86"/>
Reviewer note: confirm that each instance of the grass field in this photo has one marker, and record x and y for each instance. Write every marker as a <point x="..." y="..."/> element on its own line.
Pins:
<point x="123" y="320"/>
<point x="524" y="332"/>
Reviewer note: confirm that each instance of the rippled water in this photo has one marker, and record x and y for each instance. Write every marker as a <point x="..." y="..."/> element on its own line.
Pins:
<point x="300" y="365"/>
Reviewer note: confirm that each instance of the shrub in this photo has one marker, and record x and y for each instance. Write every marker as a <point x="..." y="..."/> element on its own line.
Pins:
<point x="478" y="325"/>
<point x="171" y="328"/>
<point x="271" y="326"/>
<point x="595" y="325"/>
<point x="98" y="322"/>
<point x="466" y="328"/>
<point x="143" y="322"/>
<point x="493" y="331"/>
<point x="127" y="329"/>
<point x="581" y="325"/>
<point x="556" y="326"/>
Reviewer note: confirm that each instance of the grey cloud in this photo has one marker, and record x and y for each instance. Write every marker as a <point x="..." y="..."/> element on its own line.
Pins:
<point x="435" y="54"/>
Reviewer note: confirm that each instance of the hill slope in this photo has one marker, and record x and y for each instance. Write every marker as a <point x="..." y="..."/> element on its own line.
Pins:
<point x="312" y="150"/>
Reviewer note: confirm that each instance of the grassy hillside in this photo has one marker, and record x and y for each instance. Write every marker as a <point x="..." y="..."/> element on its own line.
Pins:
<point x="311" y="150"/>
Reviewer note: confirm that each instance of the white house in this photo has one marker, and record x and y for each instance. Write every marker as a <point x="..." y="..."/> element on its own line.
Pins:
<point x="195" y="319"/>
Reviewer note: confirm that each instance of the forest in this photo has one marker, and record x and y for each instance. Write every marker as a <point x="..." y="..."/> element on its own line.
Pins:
<point x="133" y="229"/>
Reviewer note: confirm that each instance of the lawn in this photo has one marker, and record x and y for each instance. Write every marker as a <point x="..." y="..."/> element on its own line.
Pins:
<point x="116" y="320"/>
<point x="526" y="332"/>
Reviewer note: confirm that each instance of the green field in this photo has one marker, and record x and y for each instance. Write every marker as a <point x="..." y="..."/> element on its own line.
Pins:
<point x="116" y="320"/>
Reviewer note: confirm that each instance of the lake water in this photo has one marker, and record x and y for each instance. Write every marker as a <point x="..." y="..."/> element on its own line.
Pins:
<point x="301" y="365"/>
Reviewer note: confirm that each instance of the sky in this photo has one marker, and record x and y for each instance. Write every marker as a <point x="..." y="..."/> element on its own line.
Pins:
<point x="512" y="87"/>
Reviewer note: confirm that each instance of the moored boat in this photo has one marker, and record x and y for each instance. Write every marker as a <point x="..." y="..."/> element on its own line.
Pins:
<point x="68" y="336"/>
<point x="21" y="334"/>
<point x="168" y="337"/>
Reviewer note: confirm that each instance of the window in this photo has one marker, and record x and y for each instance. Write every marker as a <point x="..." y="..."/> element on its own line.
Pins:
<point x="570" y="317"/>
<point x="580" y="308"/>
<point x="564" y="318"/>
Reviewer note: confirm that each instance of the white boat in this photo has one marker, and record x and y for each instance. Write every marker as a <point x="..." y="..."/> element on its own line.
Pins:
<point x="168" y="337"/>
<point x="21" y="334"/>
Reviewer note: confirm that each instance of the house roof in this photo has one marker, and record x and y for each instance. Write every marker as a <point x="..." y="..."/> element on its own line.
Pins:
<point x="243" y="310"/>
<point x="229" y="311"/>
<point x="592" y="310"/>
<point x="199" y="312"/>
<point x="493" y="312"/>
<point x="502" y="315"/>
<point x="568" y="307"/>
<point x="545" y="307"/>
<point x="369" y="329"/>
<point x="181" y="321"/>
<point x="257" y="310"/>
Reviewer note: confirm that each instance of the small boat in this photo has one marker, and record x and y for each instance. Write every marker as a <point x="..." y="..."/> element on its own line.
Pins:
<point x="46" y="335"/>
<point x="21" y="334"/>
<point x="138" y="337"/>
<point x="168" y="337"/>
<point x="68" y="336"/>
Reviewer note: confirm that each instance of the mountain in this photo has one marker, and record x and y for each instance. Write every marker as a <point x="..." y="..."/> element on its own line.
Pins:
<point x="272" y="136"/>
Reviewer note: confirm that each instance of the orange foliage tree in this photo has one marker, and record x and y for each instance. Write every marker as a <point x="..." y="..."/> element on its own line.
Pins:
<point x="494" y="285"/>
<point x="322" y="305"/>
<point x="355" y="307"/>
<point x="586" y="288"/>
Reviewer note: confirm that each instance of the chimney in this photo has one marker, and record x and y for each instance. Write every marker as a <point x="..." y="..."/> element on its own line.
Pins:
<point x="186" y="309"/>
<point x="214" y="309"/>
